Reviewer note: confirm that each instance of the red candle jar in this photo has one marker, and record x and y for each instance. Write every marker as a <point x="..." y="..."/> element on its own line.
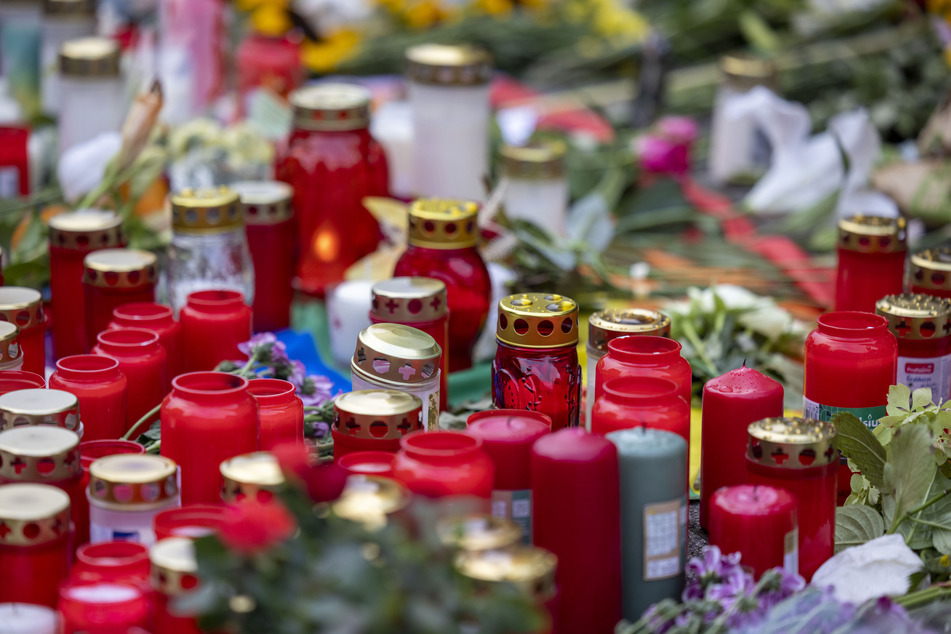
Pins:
<point x="101" y="390"/>
<point x="442" y="245"/>
<point x="213" y="324"/>
<point x="759" y="522"/>
<point x="536" y="364"/>
<point x="73" y="235"/>
<point x="207" y="418"/>
<point x="373" y="463"/>
<point x="440" y="464"/>
<point x="921" y="325"/>
<point x="872" y="253"/>
<point x="372" y="501"/>
<point x="269" y="62"/>
<point x="13" y="380"/>
<point x="160" y="320"/>
<point x="92" y="450"/>
<point x="191" y="520"/>
<point x="114" y="277"/>
<point x="11" y="355"/>
<point x="174" y="573"/>
<point x="374" y="420"/>
<point x="930" y="272"/>
<point x="23" y="307"/>
<point x="34" y="548"/>
<point x="641" y="401"/>
<point x="280" y="411"/>
<point x="576" y="516"/>
<point x="40" y="407"/>
<point x="507" y="436"/>
<point x="102" y="607"/>
<point x="116" y="562"/>
<point x="644" y="356"/>
<point x="796" y="454"/>
<point x="269" y="224"/>
<point x="255" y="475"/>
<point x="142" y="360"/>
<point x="730" y="403"/>
<point x="419" y="302"/>
<point x="332" y="163"/>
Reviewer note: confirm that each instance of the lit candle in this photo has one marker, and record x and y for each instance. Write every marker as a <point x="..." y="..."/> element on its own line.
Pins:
<point x="730" y="403"/>
<point x="348" y="310"/>
<point x="25" y="618"/>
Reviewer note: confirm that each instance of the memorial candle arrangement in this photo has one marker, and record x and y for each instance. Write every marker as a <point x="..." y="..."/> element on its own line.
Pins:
<point x="371" y="500"/>
<point x="872" y="252"/>
<point x="441" y="464"/>
<point x="115" y="561"/>
<point x="213" y="324"/>
<point x="537" y="190"/>
<point x="142" y="361"/>
<point x="111" y="278"/>
<point x="930" y="272"/>
<point x="101" y="389"/>
<point x="255" y="475"/>
<point x="374" y="420"/>
<point x="91" y="83"/>
<point x="280" y="412"/>
<point x="160" y="320"/>
<point x="23" y="307"/>
<point x="11" y="355"/>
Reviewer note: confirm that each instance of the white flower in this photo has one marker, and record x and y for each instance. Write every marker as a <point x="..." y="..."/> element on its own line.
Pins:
<point x="877" y="568"/>
<point x="82" y="167"/>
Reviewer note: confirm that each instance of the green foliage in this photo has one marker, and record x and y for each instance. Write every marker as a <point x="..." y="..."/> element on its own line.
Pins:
<point x="856" y="441"/>
<point x="857" y="524"/>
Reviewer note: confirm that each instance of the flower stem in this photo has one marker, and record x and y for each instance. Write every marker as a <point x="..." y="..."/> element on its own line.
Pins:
<point x="154" y="447"/>
<point x="923" y="597"/>
<point x="899" y="519"/>
<point x="148" y="417"/>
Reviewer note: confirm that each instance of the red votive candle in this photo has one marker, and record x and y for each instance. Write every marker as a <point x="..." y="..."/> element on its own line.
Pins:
<point x="115" y="562"/>
<point x="23" y="307"/>
<point x="102" y="607"/>
<point x="759" y="522"/>
<point x="142" y="360"/>
<point x="730" y="403"/>
<point x="280" y="412"/>
<point x="114" y="277"/>
<point x="441" y="464"/>
<point x="871" y="264"/>
<point x="160" y="320"/>
<point x="13" y="380"/>
<point x="213" y="324"/>
<point x="656" y="357"/>
<point x="101" y="389"/>
<point x="92" y="450"/>
<point x="174" y="573"/>
<point x="375" y="463"/>
<point x="374" y="420"/>
<point x="643" y="401"/>
<point x="191" y="520"/>
<point x="922" y="327"/>
<point x="930" y="272"/>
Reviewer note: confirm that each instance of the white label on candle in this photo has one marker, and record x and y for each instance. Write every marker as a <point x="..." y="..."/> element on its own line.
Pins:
<point x="791" y="552"/>
<point x="99" y="533"/>
<point x="663" y="538"/>
<point x="515" y="506"/>
<point x="933" y="372"/>
<point x="9" y="182"/>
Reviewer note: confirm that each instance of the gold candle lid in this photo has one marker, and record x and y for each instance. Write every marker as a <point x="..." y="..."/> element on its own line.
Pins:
<point x="369" y="500"/>
<point x="744" y="72"/>
<point x="174" y="567"/>
<point x="377" y="414"/>
<point x="931" y="269"/>
<point x="530" y="569"/>
<point x="436" y="223"/>
<point x="9" y="342"/>
<point x="22" y="307"/>
<point x="39" y="407"/>
<point x="397" y="353"/>
<point x="919" y="317"/>
<point x="538" y="320"/>
<point x="89" y="57"/>
<point x="32" y="514"/>
<point x="86" y="229"/>
<point x="331" y="107"/>
<point x="202" y="211"/>
<point x="264" y="202"/>
<point x="70" y="8"/>
<point x="872" y="234"/>
<point x="448" y="65"/>
<point x="249" y="475"/>
<point x="536" y="161"/>
<point x="39" y="454"/>
<point x="120" y="268"/>
<point x="478" y="532"/>
<point x="792" y="443"/>
<point x="409" y="299"/>
<point x="140" y="480"/>
<point x="611" y="324"/>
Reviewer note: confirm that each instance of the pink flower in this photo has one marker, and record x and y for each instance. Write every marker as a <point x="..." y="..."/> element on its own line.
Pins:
<point x="323" y="482"/>
<point x="253" y="527"/>
<point x="660" y="155"/>
<point x="680" y="130"/>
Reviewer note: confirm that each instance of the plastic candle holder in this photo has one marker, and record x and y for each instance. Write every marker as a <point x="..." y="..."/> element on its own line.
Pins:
<point x="160" y="320"/>
<point x="213" y="324"/>
<point x="930" y="272"/>
<point x="537" y="189"/>
<point x="373" y="463"/>
<point x="872" y="252"/>
<point x="191" y="520"/>
<point x="23" y="307"/>
<point x="142" y="360"/>
<point x="117" y="562"/>
<point x="93" y="607"/>
<point x="641" y="401"/>
<point x="14" y="380"/>
<point x="921" y="325"/>
<point x="644" y="356"/>
<point x="91" y="83"/>
<point x="111" y="278"/>
<point x="374" y="420"/>
<point x="475" y="531"/>
<point x="101" y="389"/>
<point x="255" y="475"/>
<point x="371" y="500"/>
<point x="442" y="464"/>
<point x="280" y="411"/>
<point x="39" y="407"/>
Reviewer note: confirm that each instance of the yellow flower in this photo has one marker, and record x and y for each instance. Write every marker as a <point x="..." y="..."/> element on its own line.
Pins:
<point x="424" y="13"/>
<point x="494" y="7"/>
<point x="251" y="5"/>
<point x="617" y="22"/>
<point x="947" y="55"/>
<point x="945" y="561"/>
<point x="325" y="56"/>
<point x="270" y="20"/>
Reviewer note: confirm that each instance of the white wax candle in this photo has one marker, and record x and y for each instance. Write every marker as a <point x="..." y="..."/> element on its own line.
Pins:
<point x="392" y="125"/>
<point x="348" y="312"/>
<point x="25" y="618"/>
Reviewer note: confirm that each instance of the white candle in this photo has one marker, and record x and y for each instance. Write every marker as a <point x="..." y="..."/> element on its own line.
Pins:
<point x="63" y="20"/>
<point x="392" y="125"/>
<point x="537" y="189"/>
<point x="25" y="618"/>
<point x="91" y="90"/>
<point x="348" y="312"/>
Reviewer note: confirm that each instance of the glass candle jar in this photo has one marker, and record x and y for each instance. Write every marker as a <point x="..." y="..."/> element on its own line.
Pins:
<point x="537" y="190"/>
<point x="280" y="411"/>
<point x="641" y="401"/>
<point x="269" y="226"/>
<point x="11" y="355"/>
<point x="13" y="380"/>
<point x="401" y="358"/>
<point x="174" y="573"/>
<point x="332" y="162"/>
<point x="209" y="248"/>
<point x="536" y="364"/>
<point x="478" y="532"/>
<point x="796" y="454"/>
<point x="871" y="265"/>
<point x="114" y="277"/>
<point x="190" y="520"/>
<point x="142" y="360"/>
<point x="90" y="82"/>
<point x="930" y="272"/>
<point x="442" y="245"/>
<point x="117" y="561"/>
<point x="374" y="420"/>
<point x="213" y="324"/>
<point x="125" y="493"/>
<point x="24" y="618"/>
<point x="644" y="356"/>
<point x="371" y="500"/>
<point x="63" y="20"/>
<point x="375" y="463"/>
<point x="207" y="418"/>
<point x="921" y="325"/>
<point x="606" y="325"/>
<point x="102" y="607"/>
<point x="39" y="407"/>
<point x="255" y="475"/>
<point x="23" y="307"/>
<point x="34" y="548"/>
<point x="449" y="92"/>
<point x="160" y="320"/>
<point x="441" y="464"/>
<point x="72" y="236"/>
<point x="419" y="302"/>
<point x="100" y="388"/>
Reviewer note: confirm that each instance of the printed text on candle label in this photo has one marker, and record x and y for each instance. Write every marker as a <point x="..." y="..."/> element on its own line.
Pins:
<point x="868" y="415"/>
<point x="664" y="524"/>
<point x="933" y="372"/>
<point x="515" y="506"/>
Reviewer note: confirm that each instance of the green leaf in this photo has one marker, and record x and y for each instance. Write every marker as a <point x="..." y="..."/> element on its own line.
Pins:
<point x="898" y="398"/>
<point x="921" y="398"/>
<point x="909" y="469"/>
<point x="857" y="524"/>
<point x="940" y="513"/>
<point x="860" y="445"/>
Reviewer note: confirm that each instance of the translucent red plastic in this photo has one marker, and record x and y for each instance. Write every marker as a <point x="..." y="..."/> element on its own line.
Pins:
<point x="864" y="278"/>
<point x="213" y="324"/>
<point x="160" y="320"/>
<point x="378" y="463"/>
<point x="101" y="302"/>
<point x="123" y="562"/>
<point x="101" y="389"/>
<point x="190" y="520"/>
<point x="102" y="607"/>
<point x="13" y="380"/>
<point x="641" y="401"/>
<point x="32" y="574"/>
<point x="441" y="464"/>
<point x="273" y="273"/>
<point x="545" y="380"/>
<point x="280" y="412"/>
<point x="142" y="360"/>
<point x="644" y="356"/>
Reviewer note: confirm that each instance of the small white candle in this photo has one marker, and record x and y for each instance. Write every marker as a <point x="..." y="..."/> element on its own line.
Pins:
<point x="392" y="125"/>
<point x="348" y="312"/>
<point x="25" y="618"/>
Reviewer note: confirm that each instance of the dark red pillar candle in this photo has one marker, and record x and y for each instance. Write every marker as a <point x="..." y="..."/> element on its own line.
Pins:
<point x="930" y="272"/>
<point x="441" y="464"/>
<point x="142" y="360"/>
<point x="114" y="277"/>
<point x="576" y="497"/>
<point x="871" y="264"/>
<point x="644" y="356"/>
<point x="641" y="401"/>
<point x="280" y="412"/>
<point x="213" y="324"/>
<point x="13" y="380"/>
<point x="101" y="389"/>
<point x="102" y="607"/>
<point x="23" y="307"/>
<point x="160" y="320"/>
<point x="730" y="403"/>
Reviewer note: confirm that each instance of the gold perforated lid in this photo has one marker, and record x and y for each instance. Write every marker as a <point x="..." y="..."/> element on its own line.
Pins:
<point x="377" y="414"/>
<point x="931" y="269"/>
<point x="120" y="268"/>
<point x="538" y="320"/>
<point x="174" y="567"/>
<point x="409" y="300"/>
<point x="86" y="229"/>
<point x="264" y="202"/>
<point x="142" y="481"/>
<point x="744" y="72"/>
<point x="872" y="234"/>
<point x="9" y="342"/>
<point x="70" y="8"/>
<point x="530" y="569"/>
<point x="248" y="475"/>
<point x="89" y="57"/>
<point x="22" y="307"/>
<point x="32" y="514"/>
<point x="396" y="353"/>
<point x="369" y="500"/>
<point x="611" y="324"/>
<point x="437" y="223"/>
<point x="912" y="316"/>
<point x="539" y="160"/>
<point x="39" y="407"/>
<point x="331" y="107"/>
<point x="39" y="454"/>
<point x="448" y="65"/>
<point x="206" y="211"/>
<point x="792" y="443"/>
<point x="478" y="532"/>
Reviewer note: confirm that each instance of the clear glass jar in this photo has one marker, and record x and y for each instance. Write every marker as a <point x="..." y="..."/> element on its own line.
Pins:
<point x="537" y="189"/>
<point x="63" y="20"/>
<point x="91" y="84"/>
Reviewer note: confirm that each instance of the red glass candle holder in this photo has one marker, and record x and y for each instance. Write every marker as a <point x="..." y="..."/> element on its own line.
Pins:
<point x="871" y="263"/>
<point x="374" y="420"/>
<point x="643" y="401"/>
<point x="13" y="380"/>
<point x="114" y="277"/>
<point x="270" y="63"/>
<point x="441" y="464"/>
<point x="280" y="411"/>
<point x="930" y="272"/>
<point x="101" y="389"/>
<point x="102" y="607"/>
<point x="142" y="360"/>
<point x="921" y="325"/>
<point x="644" y="356"/>
<point x="213" y="324"/>
<point x="23" y="307"/>
<point x="191" y="520"/>
<point x="160" y="320"/>
<point x="114" y="562"/>
<point x="374" y="463"/>
<point x="174" y="574"/>
<point x="207" y="418"/>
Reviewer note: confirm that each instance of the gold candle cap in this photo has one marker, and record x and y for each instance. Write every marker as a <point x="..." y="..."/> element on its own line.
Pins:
<point x="538" y="320"/>
<point x="120" y="268"/>
<point x="22" y="307"/>
<point x="610" y="324"/>
<point x="249" y="475"/>
<point x="541" y="160"/>
<point x="331" y="107"/>
<point x="409" y="299"/>
<point x="264" y="202"/>
<point x="478" y="532"/>
<point x="397" y="353"/>
<point x="142" y="481"/>
<point x="370" y="500"/>
<point x="70" y="8"/>
<point x="792" y="443"/>
<point x="86" y="230"/>
<point x="205" y="211"/>
<point x="744" y="72"/>
<point x="377" y="414"/>
<point x="39" y="407"/>
<point x="448" y="65"/>
<point x="530" y="569"/>
<point x="32" y="514"/>
<point x="174" y="567"/>
<point x="9" y="342"/>
<point x="39" y="454"/>
<point x="931" y="269"/>
<point x="872" y="234"/>
<point x="89" y="57"/>
<point x="437" y="223"/>
<point x="919" y="317"/>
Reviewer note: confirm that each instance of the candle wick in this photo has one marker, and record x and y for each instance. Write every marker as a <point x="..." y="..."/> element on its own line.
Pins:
<point x="744" y="363"/>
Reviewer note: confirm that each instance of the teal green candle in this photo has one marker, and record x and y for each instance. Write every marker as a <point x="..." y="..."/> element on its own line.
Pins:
<point x="653" y="472"/>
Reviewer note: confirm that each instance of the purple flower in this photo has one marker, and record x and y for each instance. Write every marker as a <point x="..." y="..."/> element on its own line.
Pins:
<point x="265" y="348"/>
<point x="297" y="374"/>
<point x="315" y="390"/>
<point x="321" y="429"/>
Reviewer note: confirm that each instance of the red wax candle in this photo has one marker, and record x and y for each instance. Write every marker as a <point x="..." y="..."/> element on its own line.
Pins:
<point x="102" y="607"/>
<point x="871" y="263"/>
<point x="374" y="420"/>
<point x="23" y="307"/>
<point x="213" y="324"/>
<point x="759" y="522"/>
<point x="930" y="272"/>
<point x="576" y="497"/>
<point x="207" y="418"/>
<point x="142" y="360"/>
<point x="644" y="356"/>
<point x="922" y="327"/>
<point x="13" y="380"/>
<point x="114" y="277"/>
<point x="442" y="464"/>
<point x="641" y="401"/>
<point x="160" y="320"/>
<point x="191" y="520"/>
<point x="280" y="411"/>
<point x="101" y="389"/>
<point x="376" y="463"/>
<point x="730" y="403"/>
<point x="115" y="562"/>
